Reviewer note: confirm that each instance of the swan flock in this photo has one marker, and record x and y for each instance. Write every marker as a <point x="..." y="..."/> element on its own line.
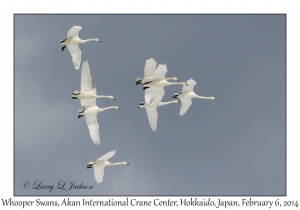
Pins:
<point x="153" y="81"/>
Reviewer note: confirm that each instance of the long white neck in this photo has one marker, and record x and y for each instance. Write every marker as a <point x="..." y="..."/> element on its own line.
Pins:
<point x="122" y="163"/>
<point x="176" y="83"/>
<point x="172" y="78"/>
<point x="111" y="107"/>
<point x="102" y="96"/>
<point x="211" y="97"/>
<point x="169" y="102"/>
<point x="88" y="40"/>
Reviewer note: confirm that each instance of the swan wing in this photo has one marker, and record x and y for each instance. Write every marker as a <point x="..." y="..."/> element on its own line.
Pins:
<point x="73" y="32"/>
<point x="148" y="95"/>
<point x="99" y="172"/>
<point x="191" y="83"/>
<point x="150" y="67"/>
<point x="86" y="78"/>
<point x="158" y="94"/>
<point x="185" y="105"/>
<point x="91" y="121"/>
<point x="160" y="72"/>
<point x="107" y="156"/>
<point x="89" y="102"/>
<point x="76" y="55"/>
<point x="152" y="117"/>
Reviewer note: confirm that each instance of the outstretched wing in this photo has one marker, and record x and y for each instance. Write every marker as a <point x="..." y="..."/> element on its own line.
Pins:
<point x="99" y="171"/>
<point x="150" y="67"/>
<point x="89" y="102"/>
<point x="191" y="83"/>
<point x="73" y="32"/>
<point x="185" y="105"/>
<point x="107" y="156"/>
<point x="148" y="95"/>
<point x="152" y="117"/>
<point x="91" y="121"/>
<point x="158" y="94"/>
<point x="160" y="72"/>
<point x="86" y="78"/>
<point x="76" y="55"/>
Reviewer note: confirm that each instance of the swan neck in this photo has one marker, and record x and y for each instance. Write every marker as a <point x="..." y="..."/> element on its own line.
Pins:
<point x="88" y="40"/>
<point x="122" y="163"/>
<point x="111" y="107"/>
<point x="169" y="102"/>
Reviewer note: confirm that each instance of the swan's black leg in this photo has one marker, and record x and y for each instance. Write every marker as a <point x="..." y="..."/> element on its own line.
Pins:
<point x="62" y="49"/>
<point x="62" y="41"/>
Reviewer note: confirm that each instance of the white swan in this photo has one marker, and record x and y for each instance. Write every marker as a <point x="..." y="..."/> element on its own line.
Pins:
<point x="149" y="70"/>
<point x="72" y="41"/>
<point x="86" y="91"/>
<point x="101" y="163"/>
<point x="152" y="112"/>
<point x="157" y="85"/>
<point x="186" y="96"/>
<point x="90" y="113"/>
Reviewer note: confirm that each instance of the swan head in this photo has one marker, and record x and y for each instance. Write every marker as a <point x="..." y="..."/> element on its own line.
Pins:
<point x="214" y="98"/>
<point x="117" y="107"/>
<point x="175" y="78"/>
<point x="113" y="98"/>
<point x="98" y="40"/>
<point x="185" y="84"/>
<point x="176" y="101"/>
<point x="126" y="163"/>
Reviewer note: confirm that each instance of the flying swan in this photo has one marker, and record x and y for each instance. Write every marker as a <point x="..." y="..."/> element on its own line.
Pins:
<point x="86" y="91"/>
<point x="152" y="112"/>
<point x="101" y="163"/>
<point x="90" y="113"/>
<point x="157" y="85"/>
<point x="72" y="41"/>
<point x="186" y="96"/>
<point x="149" y="70"/>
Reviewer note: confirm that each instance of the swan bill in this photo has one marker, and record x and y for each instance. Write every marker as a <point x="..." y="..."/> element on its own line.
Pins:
<point x="127" y="163"/>
<point x="62" y="49"/>
<point x="215" y="99"/>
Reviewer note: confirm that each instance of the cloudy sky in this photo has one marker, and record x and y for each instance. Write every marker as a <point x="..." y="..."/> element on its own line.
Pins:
<point x="232" y="146"/>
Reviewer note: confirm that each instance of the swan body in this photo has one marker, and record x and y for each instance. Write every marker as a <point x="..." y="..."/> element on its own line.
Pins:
<point x="86" y="91"/>
<point x="149" y="70"/>
<point x="101" y="163"/>
<point x="90" y="113"/>
<point x="152" y="112"/>
<point x="72" y="41"/>
<point x="157" y="85"/>
<point x="186" y="96"/>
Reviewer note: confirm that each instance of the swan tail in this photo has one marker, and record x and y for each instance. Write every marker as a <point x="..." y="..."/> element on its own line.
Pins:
<point x="138" y="81"/>
<point x="175" y="95"/>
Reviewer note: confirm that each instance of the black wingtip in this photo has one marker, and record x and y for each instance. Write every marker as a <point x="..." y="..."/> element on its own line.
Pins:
<point x="74" y="98"/>
<point x="144" y="88"/>
<point x="79" y="116"/>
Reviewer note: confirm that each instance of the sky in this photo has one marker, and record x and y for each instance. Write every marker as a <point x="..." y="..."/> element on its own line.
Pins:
<point x="235" y="145"/>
